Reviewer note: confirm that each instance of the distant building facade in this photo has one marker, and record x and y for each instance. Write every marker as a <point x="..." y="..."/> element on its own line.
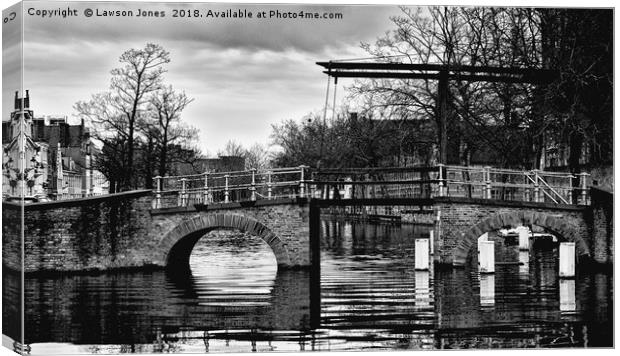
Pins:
<point x="58" y="156"/>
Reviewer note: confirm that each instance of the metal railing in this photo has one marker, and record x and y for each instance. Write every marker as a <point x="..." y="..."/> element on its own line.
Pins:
<point x="372" y="183"/>
<point x="226" y="187"/>
<point x="504" y="184"/>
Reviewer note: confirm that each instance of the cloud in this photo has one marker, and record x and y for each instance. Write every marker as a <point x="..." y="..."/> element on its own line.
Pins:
<point x="243" y="74"/>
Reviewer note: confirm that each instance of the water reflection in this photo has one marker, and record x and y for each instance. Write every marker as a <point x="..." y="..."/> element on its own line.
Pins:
<point x="371" y="298"/>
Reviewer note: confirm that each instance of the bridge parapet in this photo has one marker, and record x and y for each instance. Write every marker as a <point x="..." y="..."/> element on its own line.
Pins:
<point x="374" y="183"/>
<point x="228" y="187"/>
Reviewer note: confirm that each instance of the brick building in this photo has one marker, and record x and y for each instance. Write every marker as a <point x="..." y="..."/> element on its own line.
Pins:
<point x="58" y="156"/>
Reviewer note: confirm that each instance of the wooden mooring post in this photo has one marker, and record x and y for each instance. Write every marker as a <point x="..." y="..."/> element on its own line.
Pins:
<point x="486" y="257"/>
<point x="524" y="238"/>
<point x="567" y="260"/>
<point x="421" y="255"/>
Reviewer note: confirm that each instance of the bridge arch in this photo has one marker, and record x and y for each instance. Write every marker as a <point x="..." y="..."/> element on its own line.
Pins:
<point x="555" y="224"/>
<point x="177" y="245"/>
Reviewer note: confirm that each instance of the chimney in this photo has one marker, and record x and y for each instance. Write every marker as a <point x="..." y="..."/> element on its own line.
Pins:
<point x="17" y="102"/>
<point x="27" y="100"/>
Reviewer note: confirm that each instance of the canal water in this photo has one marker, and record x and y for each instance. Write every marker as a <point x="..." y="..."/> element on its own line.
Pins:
<point x="369" y="298"/>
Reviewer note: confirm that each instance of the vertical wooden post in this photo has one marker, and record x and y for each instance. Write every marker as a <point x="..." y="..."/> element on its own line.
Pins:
<point x="584" y="187"/>
<point x="183" y="192"/>
<point x="431" y="241"/>
<point x="269" y="187"/>
<point x="567" y="260"/>
<point x="487" y="178"/>
<point x="570" y="188"/>
<point x="158" y="192"/>
<point x="205" y="192"/>
<point x="442" y="110"/>
<point x="524" y="262"/>
<point x="302" y="183"/>
<point x="486" y="257"/>
<point x="536" y="187"/>
<point x="526" y="187"/>
<point x="312" y="187"/>
<point x="315" y="263"/>
<point x="421" y="254"/>
<point x="226" y="192"/>
<point x="524" y="238"/>
<point x="567" y="295"/>
<point x="441" y="180"/>
<point x="253" y="186"/>
<point x="422" y="290"/>
<point x="487" y="290"/>
<point x="437" y="256"/>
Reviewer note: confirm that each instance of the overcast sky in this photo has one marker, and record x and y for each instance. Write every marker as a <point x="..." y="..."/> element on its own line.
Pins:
<point x="243" y="74"/>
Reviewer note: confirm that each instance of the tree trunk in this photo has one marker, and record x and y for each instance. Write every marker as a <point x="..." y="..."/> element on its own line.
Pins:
<point x="163" y="153"/>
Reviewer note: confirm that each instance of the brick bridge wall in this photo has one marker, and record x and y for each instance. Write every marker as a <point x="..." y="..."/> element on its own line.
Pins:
<point x="75" y="235"/>
<point x="462" y="221"/>
<point x="283" y="224"/>
<point x="121" y="231"/>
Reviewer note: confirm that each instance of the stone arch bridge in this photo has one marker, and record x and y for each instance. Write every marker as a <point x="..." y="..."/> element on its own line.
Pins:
<point x="124" y="231"/>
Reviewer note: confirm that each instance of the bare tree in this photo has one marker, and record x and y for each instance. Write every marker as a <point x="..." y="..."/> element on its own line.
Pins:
<point x="257" y="157"/>
<point x="116" y="113"/>
<point x="168" y="105"/>
<point x="232" y="148"/>
<point x="477" y="112"/>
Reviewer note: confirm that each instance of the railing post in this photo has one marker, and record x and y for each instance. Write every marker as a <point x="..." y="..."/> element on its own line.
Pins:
<point x="205" y="193"/>
<point x="158" y="192"/>
<point x="312" y="187"/>
<point x="536" y="187"/>
<point x="183" y="192"/>
<point x="226" y="192"/>
<point x="526" y="188"/>
<point x="487" y="179"/>
<point x="302" y="183"/>
<point x="253" y="186"/>
<point x="269" y="188"/>
<point x="570" y="188"/>
<point x="441" y="180"/>
<point x="584" y="187"/>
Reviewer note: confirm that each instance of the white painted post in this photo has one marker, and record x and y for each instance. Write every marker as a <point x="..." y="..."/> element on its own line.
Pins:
<point x="524" y="262"/>
<point x="568" y="302"/>
<point x="584" y="187"/>
<point x="422" y="290"/>
<point x="183" y="191"/>
<point x="421" y="254"/>
<point x="567" y="259"/>
<point x="441" y="180"/>
<point x="486" y="257"/>
<point x="269" y="185"/>
<point x="487" y="290"/>
<point x="253" y="186"/>
<point x="526" y="189"/>
<point x="437" y="257"/>
<point x="158" y="192"/>
<point x="348" y="189"/>
<point x="487" y="174"/>
<point x="524" y="238"/>
<point x="570" y="190"/>
<point x="205" y="193"/>
<point x="431" y="241"/>
<point x="483" y="238"/>
<point x="536" y="187"/>
<point x="226" y="192"/>
<point x="302" y="183"/>
<point x="347" y="237"/>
